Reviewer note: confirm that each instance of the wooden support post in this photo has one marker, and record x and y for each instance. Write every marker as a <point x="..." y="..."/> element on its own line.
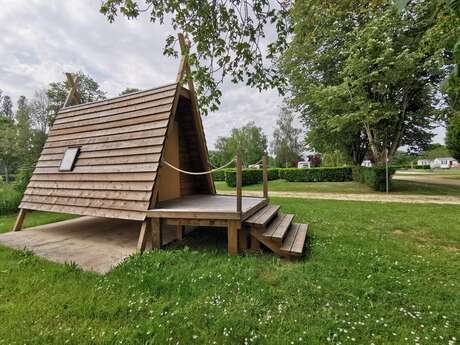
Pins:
<point x="255" y="244"/>
<point x="19" y="220"/>
<point x="179" y="232"/>
<point x="265" y="175"/>
<point x="239" y="184"/>
<point x="232" y="234"/>
<point x="243" y="239"/>
<point x="155" y="225"/>
<point x="143" y="236"/>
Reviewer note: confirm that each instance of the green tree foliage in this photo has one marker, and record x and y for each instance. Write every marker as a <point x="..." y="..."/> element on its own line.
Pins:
<point x="248" y="140"/>
<point x="362" y="67"/>
<point x="24" y="130"/>
<point x="129" y="90"/>
<point x="6" y="106"/>
<point x="286" y="145"/>
<point x="8" y="152"/>
<point x="229" y="39"/>
<point x="453" y="136"/>
<point x="434" y="151"/>
<point x="88" y="89"/>
<point x="334" y="159"/>
<point x="41" y="117"/>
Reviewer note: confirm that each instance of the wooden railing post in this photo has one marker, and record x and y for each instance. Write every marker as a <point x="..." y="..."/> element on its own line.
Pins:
<point x="239" y="183"/>
<point x="265" y="175"/>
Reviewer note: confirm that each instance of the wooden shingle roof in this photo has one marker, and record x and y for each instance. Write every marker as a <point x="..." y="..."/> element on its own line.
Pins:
<point x="121" y="141"/>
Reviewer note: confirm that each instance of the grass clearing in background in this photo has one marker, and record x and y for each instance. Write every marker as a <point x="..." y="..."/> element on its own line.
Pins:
<point x="399" y="187"/>
<point x="381" y="273"/>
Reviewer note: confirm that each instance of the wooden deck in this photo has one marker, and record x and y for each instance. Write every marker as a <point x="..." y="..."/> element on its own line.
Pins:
<point x="212" y="206"/>
<point x="215" y="210"/>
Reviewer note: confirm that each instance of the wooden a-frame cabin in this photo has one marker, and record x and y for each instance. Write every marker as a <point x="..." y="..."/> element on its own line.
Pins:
<point x="105" y="158"/>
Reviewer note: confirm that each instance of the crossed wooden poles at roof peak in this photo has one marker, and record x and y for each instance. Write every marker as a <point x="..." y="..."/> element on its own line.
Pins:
<point x="73" y="97"/>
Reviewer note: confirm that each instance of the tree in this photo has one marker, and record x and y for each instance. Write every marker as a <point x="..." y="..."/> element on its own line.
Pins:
<point x="362" y="67"/>
<point x="453" y="136"/>
<point x="8" y="152"/>
<point x="433" y="151"/>
<point x="286" y="145"/>
<point x="6" y="106"/>
<point x="40" y="117"/>
<point x="229" y="39"/>
<point x="128" y="90"/>
<point x="24" y="131"/>
<point x="248" y="140"/>
<point x="88" y="89"/>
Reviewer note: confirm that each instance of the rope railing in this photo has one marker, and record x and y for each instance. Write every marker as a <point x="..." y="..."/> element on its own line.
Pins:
<point x="239" y="177"/>
<point x="197" y="172"/>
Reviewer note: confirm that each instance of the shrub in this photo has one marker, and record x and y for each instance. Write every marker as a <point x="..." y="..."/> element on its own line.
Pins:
<point x="22" y="179"/>
<point x="9" y="200"/>
<point x="249" y="176"/>
<point x="374" y="177"/>
<point x="316" y="174"/>
<point x="426" y="167"/>
<point x="219" y="175"/>
<point x="273" y="174"/>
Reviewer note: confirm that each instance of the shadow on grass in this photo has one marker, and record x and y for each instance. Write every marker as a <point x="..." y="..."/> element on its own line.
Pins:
<point x="215" y="240"/>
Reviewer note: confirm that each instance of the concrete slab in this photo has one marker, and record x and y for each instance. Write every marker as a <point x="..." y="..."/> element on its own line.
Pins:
<point x="94" y="244"/>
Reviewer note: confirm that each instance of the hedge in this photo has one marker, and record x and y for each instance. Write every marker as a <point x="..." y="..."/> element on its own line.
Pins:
<point x="219" y="175"/>
<point x="422" y="167"/>
<point x="316" y="174"/>
<point x="9" y="201"/>
<point x="374" y="177"/>
<point x="273" y="174"/>
<point x="249" y="176"/>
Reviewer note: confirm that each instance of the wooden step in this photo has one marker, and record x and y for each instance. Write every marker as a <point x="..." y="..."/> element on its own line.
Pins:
<point x="295" y="239"/>
<point x="278" y="228"/>
<point x="263" y="216"/>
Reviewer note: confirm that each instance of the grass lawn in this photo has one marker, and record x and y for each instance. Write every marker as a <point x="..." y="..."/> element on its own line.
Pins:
<point x="379" y="273"/>
<point x="399" y="187"/>
<point x="33" y="219"/>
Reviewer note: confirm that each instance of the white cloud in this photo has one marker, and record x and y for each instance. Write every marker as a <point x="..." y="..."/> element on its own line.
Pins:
<point x="41" y="40"/>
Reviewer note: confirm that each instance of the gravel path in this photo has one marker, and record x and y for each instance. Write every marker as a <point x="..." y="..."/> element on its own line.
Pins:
<point x="373" y="197"/>
<point x="448" y="180"/>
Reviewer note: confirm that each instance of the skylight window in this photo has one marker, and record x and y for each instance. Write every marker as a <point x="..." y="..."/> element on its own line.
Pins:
<point x="70" y="156"/>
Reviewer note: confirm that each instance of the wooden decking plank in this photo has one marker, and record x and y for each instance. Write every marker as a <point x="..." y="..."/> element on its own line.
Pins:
<point x="295" y="240"/>
<point x="94" y="185"/>
<point x="117" y="102"/>
<point x="130" y="151"/>
<point x="299" y="242"/>
<point x="279" y="230"/>
<point x="115" y="114"/>
<point x="290" y="238"/>
<point x="111" y="124"/>
<point x="273" y="226"/>
<point x="134" y="159"/>
<point x="115" y="168"/>
<point x="90" y="193"/>
<point x="107" y="132"/>
<point x="121" y="178"/>
<point x="127" y="205"/>
<point x="262" y="217"/>
<point x="109" y="142"/>
<point x="86" y="211"/>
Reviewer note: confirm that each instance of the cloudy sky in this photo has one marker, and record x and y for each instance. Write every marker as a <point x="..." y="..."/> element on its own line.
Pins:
<point x="40" y="40"/>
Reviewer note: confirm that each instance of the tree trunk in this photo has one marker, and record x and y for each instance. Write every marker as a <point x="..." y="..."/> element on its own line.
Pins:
<point x="7" y="176"/>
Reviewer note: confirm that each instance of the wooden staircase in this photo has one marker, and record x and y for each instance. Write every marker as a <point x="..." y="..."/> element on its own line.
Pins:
<point x="277" y="232"/>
